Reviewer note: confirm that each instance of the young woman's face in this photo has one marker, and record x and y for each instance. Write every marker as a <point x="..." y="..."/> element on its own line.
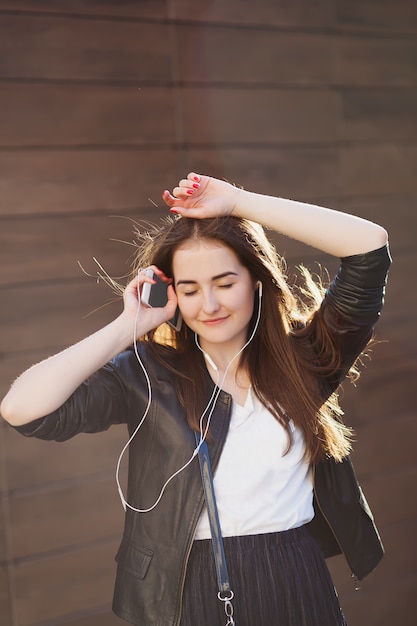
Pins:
<point x="215" y="292"/>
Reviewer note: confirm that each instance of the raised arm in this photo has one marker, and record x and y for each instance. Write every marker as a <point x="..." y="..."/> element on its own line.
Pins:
<point x="334" y="232"/>
<point x="46" y="386"/>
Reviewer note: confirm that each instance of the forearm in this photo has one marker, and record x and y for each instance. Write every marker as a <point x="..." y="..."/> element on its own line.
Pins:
<point x="46" y="386"/>
<point x="333" y="232"/>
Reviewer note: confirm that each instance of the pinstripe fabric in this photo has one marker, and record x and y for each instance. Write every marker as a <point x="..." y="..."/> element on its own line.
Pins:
<point x="279" y="579"/>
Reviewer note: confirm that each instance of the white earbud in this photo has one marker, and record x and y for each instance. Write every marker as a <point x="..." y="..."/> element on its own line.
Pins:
<point x="259" y="285"/>
<point x="206" y="356"/>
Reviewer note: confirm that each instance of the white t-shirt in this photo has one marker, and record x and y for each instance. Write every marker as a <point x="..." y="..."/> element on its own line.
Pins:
<point x="258" y="488"/>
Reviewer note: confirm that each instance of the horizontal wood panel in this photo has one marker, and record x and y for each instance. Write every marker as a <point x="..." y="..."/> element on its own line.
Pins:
<point x="349" y="171"/>
<point x="59" y="314"/>
<point x="240" y="116"/>
<point x="367" y="61"/>
<point x="124" y="8"/>
<point x="48" y="465"/>
<point x="117" y="181"/>
<point x="65" y="518"/>
<point x="374" y="451"/>
<point x="388" y="502"/>
<point x="387" y="396"/>
<point x="397" y="16"/>
<point x="51" y="115"/>
<point x="56" y="181"/>
<point x="59" y="48"/>
<point x="306" y="174"/>
<point x="52" y="248"/>
<point x="74" y="115"/>
<point x="385" y="168"/>
<point x="390" y="16"/>
<point x="76" y="582"/>
<point x="64" y="49"/>
<point x="267" y="12"/>
<point x="298" y="58"/>
<point x="370" y="116"/>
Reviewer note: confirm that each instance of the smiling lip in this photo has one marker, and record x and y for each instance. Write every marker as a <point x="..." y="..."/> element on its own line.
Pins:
<point x="215" y="321"/>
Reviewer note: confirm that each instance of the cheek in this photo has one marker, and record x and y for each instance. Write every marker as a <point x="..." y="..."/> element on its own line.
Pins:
<point x="188" y="307"/>
<point x="247" y="302"/>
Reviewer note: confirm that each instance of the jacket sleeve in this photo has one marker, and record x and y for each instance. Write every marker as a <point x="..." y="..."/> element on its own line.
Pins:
<point x="354" y="300"/>
<point x="105" y="398"/>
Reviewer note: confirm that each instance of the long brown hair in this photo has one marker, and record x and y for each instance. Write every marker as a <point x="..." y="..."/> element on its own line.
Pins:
<point x="291" y="359"/>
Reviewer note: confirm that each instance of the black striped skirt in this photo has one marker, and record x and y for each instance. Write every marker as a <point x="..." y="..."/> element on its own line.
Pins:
<point x="278" y="579"/>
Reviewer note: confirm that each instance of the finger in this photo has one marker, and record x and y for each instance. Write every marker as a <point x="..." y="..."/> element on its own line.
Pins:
<point x="172" y="296"/>
<point x="131" y="293"/>
<point x="168" y="198"/>
<point x="172" y="303"/>
<point x="143" y="277"/>
<point x="193" y="177"/>
<point x="131" y="289"/>
<point x="183" y="191"/>
<point x="171" y="200"/>
<point x="184" y="182"/>
<point x="161" y="274"/>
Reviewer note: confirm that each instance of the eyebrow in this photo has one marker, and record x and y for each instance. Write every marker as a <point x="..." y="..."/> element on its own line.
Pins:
<point x="217" y="277"/>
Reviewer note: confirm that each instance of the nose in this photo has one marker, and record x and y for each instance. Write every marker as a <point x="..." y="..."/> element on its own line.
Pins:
<point x="210" y="302"/>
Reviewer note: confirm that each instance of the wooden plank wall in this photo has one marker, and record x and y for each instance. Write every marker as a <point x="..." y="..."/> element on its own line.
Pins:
<point x="103" y="104"/>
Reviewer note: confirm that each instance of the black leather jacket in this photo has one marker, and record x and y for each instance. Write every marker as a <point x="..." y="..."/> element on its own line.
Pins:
<point x="153" y="554"/>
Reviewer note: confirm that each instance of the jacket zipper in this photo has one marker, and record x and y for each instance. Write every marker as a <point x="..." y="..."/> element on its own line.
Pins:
<point x="187" y="556"/>
<point x="356" y="582"/>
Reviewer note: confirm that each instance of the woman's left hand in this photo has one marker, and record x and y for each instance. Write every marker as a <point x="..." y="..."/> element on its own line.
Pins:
<point x="202" y="197"/>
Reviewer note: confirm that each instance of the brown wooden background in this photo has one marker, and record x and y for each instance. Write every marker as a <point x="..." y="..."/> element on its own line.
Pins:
<point x="103" y="104"/>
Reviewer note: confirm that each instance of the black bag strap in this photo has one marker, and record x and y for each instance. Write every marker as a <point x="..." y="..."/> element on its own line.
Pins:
<point x="225" y="593"/>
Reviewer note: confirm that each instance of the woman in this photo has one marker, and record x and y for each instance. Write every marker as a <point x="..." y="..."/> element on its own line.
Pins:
<point x="254" y="372"/>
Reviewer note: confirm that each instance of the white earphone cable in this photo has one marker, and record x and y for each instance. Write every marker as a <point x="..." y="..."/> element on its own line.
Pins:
<point x="212" y="402"/>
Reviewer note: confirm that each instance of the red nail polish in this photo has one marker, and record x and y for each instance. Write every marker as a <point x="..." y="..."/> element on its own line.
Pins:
<point x="197" y="178"/>
<point x="173" y="210"/>
<point x="190" y="191"/>
<point x="196" y="185"/>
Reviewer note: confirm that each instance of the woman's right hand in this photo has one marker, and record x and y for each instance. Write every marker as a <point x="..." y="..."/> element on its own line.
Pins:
<point x="147" y="317"/>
